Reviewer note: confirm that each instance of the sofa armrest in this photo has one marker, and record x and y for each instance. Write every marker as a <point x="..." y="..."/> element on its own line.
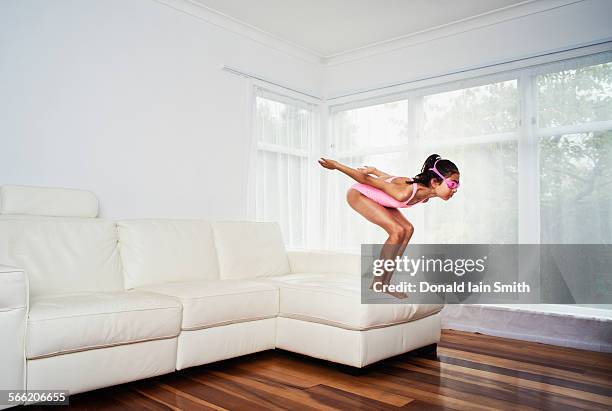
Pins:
<point x="14" y="305"/>
<point x="324" y="261"/>
<point x="13" y="288"/>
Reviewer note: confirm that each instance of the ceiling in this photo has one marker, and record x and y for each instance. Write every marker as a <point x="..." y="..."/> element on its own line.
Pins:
<point x="332" y="27"/>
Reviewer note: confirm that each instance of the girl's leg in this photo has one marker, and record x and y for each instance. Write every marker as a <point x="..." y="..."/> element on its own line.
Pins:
<point x="390" y="249"/>
<point x="382" y="217"/>
<point x="408" y="231"/>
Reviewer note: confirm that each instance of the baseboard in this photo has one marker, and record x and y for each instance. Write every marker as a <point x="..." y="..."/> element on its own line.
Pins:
<point x="582" y="332"/>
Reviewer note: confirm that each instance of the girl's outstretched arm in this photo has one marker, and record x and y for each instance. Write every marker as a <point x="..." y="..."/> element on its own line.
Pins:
<point x="373" y="170"/>
<point x="393" y="190"/>
<point x="351" y="172"/>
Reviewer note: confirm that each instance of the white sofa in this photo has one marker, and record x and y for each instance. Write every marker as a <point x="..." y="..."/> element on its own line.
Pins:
<point x="87" y="303"/>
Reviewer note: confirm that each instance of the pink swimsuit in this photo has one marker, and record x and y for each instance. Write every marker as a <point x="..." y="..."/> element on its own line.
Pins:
<point x="383" y="198"/>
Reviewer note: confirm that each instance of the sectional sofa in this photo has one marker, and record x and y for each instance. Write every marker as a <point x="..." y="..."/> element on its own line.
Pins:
<point x="87" y="302"/>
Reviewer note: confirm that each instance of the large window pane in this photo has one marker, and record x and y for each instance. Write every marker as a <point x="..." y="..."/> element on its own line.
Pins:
<point x="576" y="189"/>
<point x="485" y="208"/>
<point x="374" y="126"/>
<point x="574" y="97"/>
<point x="475" y="111"/>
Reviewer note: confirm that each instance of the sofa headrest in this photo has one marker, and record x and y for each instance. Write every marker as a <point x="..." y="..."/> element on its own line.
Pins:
<point x="250" y="249"/>
<point x="47" y="201"/>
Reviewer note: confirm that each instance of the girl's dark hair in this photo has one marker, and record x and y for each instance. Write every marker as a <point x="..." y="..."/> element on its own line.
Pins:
<point x="444" y="166"/>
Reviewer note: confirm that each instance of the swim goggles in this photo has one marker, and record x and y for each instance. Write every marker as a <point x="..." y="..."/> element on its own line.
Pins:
<point x="450" y="183"/>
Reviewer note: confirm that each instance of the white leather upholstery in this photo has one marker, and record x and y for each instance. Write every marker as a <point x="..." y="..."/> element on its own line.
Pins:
<point x="92" y="369"/>
<point x="14" y="288"/>
<point x="249" y="249"/>
<point x="324" y="261"/>
<point x="210" y="303"/>
<point x="355" y="348"/>
<point x="227" y="341"/>
<point x="157" y="251"/>
<point x="62" y="254"/>
<point x="62" y="324"/>
<point x="46" y="201"/>
<point x="13" y="314"/>
<point x="335" y="299"/>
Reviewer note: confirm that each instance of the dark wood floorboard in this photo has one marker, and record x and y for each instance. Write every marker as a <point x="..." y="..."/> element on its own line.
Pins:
<point x="470" y="372"/>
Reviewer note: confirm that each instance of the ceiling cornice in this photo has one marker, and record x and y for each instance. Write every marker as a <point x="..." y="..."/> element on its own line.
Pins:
<point x="229" y="23"/>
<point x="239" y="27"/>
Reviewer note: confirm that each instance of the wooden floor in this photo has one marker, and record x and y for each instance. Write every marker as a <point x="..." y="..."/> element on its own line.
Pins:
<point x="470" y="372"/>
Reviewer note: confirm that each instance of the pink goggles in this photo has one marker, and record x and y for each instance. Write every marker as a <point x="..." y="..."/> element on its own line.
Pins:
<point x="450" y="183"/>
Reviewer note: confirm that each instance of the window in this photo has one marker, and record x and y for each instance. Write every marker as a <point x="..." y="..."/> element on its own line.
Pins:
<point x="283" y="131"/>
<point x="574" y="129"/>
<point x="534" y="148"/>
<point x="476" y="128"/>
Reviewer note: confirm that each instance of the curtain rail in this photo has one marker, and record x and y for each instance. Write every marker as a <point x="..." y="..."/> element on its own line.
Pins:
<point x="241" y="73"/>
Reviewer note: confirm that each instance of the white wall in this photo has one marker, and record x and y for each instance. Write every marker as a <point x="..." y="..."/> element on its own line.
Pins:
<point x="128" y="99"/>
<point x="546" y="31"/>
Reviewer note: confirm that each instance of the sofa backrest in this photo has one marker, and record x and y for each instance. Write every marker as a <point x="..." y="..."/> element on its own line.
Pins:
<point x="65" y="253"/>
<point x="162" y="250"/>
<point x="248" y="249"/>
<point x="46" y="201"/>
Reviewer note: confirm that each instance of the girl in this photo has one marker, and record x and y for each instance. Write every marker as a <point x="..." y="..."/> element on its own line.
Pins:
<point x="378" y="198"/>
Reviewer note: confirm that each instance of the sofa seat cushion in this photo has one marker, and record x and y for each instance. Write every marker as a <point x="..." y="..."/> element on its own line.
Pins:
<point x="335" y="299"/>
<point x="208" y="303"/>
<point x="77" y="322"/>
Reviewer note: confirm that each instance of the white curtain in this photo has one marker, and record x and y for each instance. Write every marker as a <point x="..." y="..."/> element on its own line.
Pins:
<point x="283" y="129"/>
<point x="477" y="129"/>
<point x="574" y="136"/>
<point x="357" y="134"/>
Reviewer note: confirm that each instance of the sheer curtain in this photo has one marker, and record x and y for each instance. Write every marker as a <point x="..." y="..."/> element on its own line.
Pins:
<point x="283" y="129"/>
<point x="363" y="136"/>
<point x="574" y="136"/>
<point x="476" y="128"/>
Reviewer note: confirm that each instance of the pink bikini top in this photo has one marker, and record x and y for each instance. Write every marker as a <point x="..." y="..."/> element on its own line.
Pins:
<point x="414" y="190"/>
